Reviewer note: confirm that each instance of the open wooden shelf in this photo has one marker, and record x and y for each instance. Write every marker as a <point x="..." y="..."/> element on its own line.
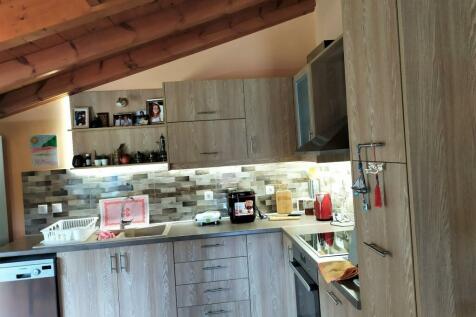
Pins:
<point x="120" y="166"/>
<point x="117" y="128"/>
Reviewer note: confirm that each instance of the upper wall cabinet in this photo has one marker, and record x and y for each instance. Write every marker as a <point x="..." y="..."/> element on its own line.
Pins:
<point x="270" y="123"/>
<point x="204" y="100"/>
<point x="205" y="143"/>
<point x="373" y="78"/>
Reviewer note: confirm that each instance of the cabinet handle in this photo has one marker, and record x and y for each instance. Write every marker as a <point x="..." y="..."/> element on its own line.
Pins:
<point x="252" y="144"/>
<point x="216" y="267"/>
<point x="216" y="290"/>
<point x="334" y="298"/>
<point x="206" y="112"/>
<point x="209" y="153"/>
<point x="124" y="260"/>
<point x="217" y="312"/>
<point x="213" y="245"/>
<point x="379" y="250"/>
<point x="113" y="259"/>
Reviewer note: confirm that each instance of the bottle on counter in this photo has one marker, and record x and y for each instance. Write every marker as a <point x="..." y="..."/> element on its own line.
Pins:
<point x="162" y="150"/>
<point x="87" y="159"/>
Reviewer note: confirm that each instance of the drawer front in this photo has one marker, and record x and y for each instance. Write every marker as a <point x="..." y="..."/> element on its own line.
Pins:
<point x="210" y="271"/>
<point x="207" y="142"/>
<point x="235" y="309"/>
<point x="209" y="249"/>
<point x="212" y="293"/>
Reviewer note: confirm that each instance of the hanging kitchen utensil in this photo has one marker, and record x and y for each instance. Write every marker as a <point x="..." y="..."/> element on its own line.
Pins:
<point x="360" y="186"/>
<point x="377" y="192"/>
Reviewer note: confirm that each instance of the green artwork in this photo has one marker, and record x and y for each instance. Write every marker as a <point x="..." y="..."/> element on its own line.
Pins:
<point x="44" y="151"/>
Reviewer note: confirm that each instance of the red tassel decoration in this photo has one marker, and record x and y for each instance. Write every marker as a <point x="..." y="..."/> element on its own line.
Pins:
<point x="378" y="195"/>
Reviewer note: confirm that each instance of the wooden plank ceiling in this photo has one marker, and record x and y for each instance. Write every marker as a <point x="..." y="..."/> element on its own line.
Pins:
<point x="51" y="48"/>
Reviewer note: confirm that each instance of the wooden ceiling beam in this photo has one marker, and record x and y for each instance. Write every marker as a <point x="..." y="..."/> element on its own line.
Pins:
<point x="153" y="54"/>
<point x="23" y="21"/>
<point x="29" y="68"/>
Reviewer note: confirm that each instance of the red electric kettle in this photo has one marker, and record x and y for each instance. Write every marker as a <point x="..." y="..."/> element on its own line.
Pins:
<point x="323" y="209"/>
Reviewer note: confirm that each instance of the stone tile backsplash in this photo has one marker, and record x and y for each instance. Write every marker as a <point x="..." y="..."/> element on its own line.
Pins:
<point x="176" y="194"/>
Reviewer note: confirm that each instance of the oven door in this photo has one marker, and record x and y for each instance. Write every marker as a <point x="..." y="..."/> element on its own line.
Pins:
<point x="307" y="292"/>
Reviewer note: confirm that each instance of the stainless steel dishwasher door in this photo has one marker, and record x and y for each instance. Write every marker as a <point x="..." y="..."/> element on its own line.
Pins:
<point x="28" y="289"/>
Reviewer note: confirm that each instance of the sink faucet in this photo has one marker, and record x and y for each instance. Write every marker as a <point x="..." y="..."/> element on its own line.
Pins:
<point x="123" y="222"/>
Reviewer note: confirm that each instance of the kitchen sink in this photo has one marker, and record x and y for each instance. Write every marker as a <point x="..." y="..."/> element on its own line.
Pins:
<point x="154" y="230"/>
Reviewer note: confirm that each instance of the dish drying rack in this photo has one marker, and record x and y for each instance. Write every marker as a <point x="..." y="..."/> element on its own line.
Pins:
<point x="69" y="230"/>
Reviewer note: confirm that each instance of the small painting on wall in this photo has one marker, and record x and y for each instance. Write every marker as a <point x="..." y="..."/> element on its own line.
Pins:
<point x="156" y="109"/>
<point x="80" y="118"/>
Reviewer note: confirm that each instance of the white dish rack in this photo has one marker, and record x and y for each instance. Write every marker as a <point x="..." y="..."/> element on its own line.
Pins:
<point x="70" y="230"/>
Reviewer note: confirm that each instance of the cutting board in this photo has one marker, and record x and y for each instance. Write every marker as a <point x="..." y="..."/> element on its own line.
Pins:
<point x="284" y="202"/>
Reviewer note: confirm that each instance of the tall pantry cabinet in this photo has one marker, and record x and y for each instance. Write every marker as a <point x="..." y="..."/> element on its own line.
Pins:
<point x="411" y="83"/>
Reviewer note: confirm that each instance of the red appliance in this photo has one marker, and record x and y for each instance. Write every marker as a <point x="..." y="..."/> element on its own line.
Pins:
<point x="323" y="210"/>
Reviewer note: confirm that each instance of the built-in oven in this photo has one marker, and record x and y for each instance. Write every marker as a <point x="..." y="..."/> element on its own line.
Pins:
<point x="306" y="282"/>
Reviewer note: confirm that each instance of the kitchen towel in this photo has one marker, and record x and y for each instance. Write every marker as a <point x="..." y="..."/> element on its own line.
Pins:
<point x="337" y="270"/>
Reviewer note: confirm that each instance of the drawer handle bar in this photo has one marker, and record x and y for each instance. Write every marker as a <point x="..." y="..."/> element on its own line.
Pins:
<point x="206" y="112"/>
<point x="334" y="298"/>
<point x="216" y="290"/>
<point x="213" y="245"/>
<point x="216" y="267"/>
<point x="209" y="153"/>
<point x="217" y="312"/>
<point x="379" y="250"/>
<point x="113" y="259"/>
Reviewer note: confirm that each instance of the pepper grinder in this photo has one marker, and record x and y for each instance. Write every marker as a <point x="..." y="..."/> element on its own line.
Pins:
<point x="162" y="151"/>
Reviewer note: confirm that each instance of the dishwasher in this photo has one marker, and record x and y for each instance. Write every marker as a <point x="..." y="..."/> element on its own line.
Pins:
<point x="28" y="287"/>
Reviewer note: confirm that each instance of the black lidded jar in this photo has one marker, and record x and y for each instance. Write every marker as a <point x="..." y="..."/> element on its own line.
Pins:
<point x="242" y="206"/>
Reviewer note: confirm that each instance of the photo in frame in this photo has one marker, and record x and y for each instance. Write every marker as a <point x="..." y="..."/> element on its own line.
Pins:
<point x="141" y="118"/>
<point x="80" y="118"/>
<point x="156" y="110"/>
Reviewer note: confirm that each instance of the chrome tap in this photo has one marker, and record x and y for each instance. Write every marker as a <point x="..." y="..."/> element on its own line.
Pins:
<point x="123" y="222"/>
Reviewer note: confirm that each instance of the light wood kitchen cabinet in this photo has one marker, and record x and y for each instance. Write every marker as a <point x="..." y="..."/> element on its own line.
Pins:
<point x="87" y="283"/>
<point x="289" y="277"/>
<point x="373" y="77"/>
<point x="129" y="281"/>
<point x="234" y="309"/>
<point x="207" y="142"/>
<point x="266" y="274"/>
<point x="386" y="279"/>
<point x="204" y="100"/>
<point x="146" y="280"/>
<point x="209" y="249"/>
<point x="333" y="303"/>
<point x="270" y="119"/>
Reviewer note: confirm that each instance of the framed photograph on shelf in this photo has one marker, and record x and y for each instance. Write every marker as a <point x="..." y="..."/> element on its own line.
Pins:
<point x="141" y="118"/>
<point x="156" y="110"/>
<point x="80" y="118"/>
<point x="123" y="119"/>
<point x="104" y="117"/>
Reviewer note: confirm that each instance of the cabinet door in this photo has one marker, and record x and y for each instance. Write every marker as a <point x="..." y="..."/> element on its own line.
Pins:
<point x="387" y="283"/>
<point x="147" y="281"/>
<point x="207" y="142"/>
<point x="88" y="283"/>
<point x="289" y="277"/>
<point x="304" y="112"/>
<point x="266" y="271"/>
<point x="373" y="78"/>
<point x="204" y="100"/>
<point x="270" y="122"/>
<point x="333" y="303"/>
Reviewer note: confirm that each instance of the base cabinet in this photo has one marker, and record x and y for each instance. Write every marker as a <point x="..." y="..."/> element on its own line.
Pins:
<point x="266" y="271"/>
<point x="133" y="281"/>
<point x="333" y="303"/>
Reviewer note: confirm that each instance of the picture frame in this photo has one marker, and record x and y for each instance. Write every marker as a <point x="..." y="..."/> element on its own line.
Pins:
<point x="81" y="118"/>
<point x="141" y="118"/>
<point x="156" y="110"/>
<point x="104" y="117"/>
<point x="123" y="119"/>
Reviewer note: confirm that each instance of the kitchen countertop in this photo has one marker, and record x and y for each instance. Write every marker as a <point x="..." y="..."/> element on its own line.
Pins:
<point x="188" y="230"/>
